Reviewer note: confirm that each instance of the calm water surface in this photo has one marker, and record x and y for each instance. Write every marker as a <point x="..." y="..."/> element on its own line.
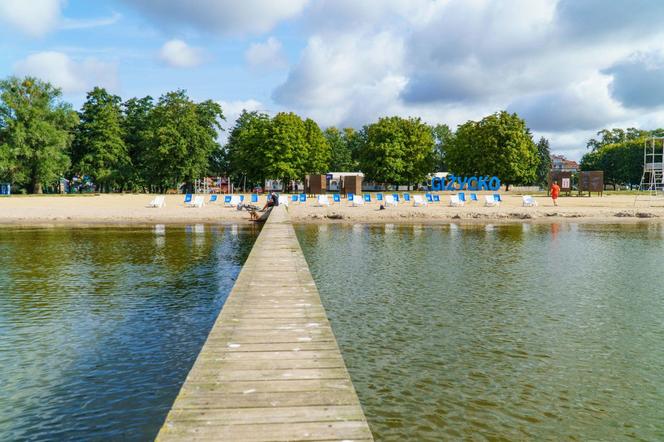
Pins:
<point x="499" y="333"/>
<point x="99" y="327"/>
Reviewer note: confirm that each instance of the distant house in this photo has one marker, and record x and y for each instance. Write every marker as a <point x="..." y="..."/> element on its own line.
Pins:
<point x="561" y="164"/>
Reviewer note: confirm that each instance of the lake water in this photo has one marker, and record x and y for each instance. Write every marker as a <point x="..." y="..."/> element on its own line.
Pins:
<point x="99" y="327"/>
<point x="533" y="332"/>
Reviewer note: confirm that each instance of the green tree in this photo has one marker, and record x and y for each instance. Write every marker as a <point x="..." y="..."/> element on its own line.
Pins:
<point x="182" y="136"/>
<point x="341" y="156"/>
<point x="621" y="162"/>
<point x="135" y="129"/>
<point x="396" y="150"/>
<point x="442" y="135"/>
<point x="99" y="150"/>
<point x="318" y="160"/>
<point x="499" y="144"/>
<point x="288" y="154"/>
<point x="614" y="136"/>
<point x="248" y="144"/>
<point x="36" y="130"/>
<point x="544" y="166"/>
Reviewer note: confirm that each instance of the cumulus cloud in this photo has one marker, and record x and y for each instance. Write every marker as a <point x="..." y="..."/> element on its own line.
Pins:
<point x="637" y="81"/>
<point x="33" y="17"/>
<point x="220" y="16"/>
<point x="177" y="53"/>
<point x="73" y="76"/>
<point x="232" y="110"/>
<point x="268" y="54"/>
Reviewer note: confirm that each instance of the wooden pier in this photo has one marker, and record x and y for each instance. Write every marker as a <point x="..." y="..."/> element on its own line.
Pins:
<point x="270" y="369"/>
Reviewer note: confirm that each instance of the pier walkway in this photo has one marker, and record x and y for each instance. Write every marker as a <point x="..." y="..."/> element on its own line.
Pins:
<point x="270" y="369"/>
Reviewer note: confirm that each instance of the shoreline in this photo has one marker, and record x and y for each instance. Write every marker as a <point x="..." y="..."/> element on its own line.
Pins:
<point x="131" y="210"/>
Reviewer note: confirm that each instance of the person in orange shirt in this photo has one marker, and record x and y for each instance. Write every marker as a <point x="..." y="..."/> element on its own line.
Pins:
<point x="555" y="191"/>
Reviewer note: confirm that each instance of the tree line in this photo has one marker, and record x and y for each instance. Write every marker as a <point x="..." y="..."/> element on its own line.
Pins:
<point x="143" y="144"/>
<point x="619" y="153"/>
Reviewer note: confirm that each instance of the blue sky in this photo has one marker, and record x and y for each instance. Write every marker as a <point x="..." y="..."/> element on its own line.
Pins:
<point x="569" y="67"/>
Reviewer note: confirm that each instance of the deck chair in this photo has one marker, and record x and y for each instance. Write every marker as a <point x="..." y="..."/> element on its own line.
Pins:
<point x="455" y="201"/>
<point x="429" y="197"/>
<point x="379" y="197"/>
<point x="396" y="197"/>
<point x="198" y="202"/>
<point x="473" y="197"/>
<point x="436" y="198"/>
<point x="213" y="198"/>
<point x="462" y="197"/>
<point x="391" y="201"/>
<point x="235" y="200"/>
<point x="497" y="197"/>
<point x="358" y="201"/>
<point x="350" y="197"/>
<point x="419" y="201"/>
<point x="490" y="201"/>
<point x="323" y="201"/>
<point x="283" y="199"/>
<point x="158" y="202"/>
<point x="294" y="198"/>
<point x="529" y="201"/>
<point x="367" y="197"/>
<point x="406" y="197"/>
<point x="254" y="198"/>
<point x="241" y="198"/>
<point x="227" y="200"/>
<point x="336" y="198"/>
<point x="303" y="198"/>
<point x="187" y="198"/>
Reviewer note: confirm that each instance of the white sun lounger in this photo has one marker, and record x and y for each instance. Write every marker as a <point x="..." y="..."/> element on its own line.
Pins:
<point x="529" y="201"/>
<point x="390" y="201"/>
<point x="158" y="202"/>
<point x="283" y="199"/>
<point x="455" y="201"/>
<point x="323" y="201"/>
<point x="198" y="202"/>
<point x="490" y="201"/>
<point x="357" y="201"/>
<point x="419" y="201"/>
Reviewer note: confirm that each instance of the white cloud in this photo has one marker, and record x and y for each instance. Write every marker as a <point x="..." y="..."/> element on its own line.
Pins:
<point x="220" y="16"/>
<point x="177" y="53"/>
<point x="233" y="109"/>
<point x="71" y="75"/>
<point x="268" y="54"/>
<point x="70" y="23"/>
<point x="33" y="17"/>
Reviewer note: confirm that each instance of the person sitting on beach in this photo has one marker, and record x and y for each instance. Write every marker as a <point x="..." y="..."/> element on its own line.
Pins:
<point x="555" y="191"/>
<point x="272" y="201"/>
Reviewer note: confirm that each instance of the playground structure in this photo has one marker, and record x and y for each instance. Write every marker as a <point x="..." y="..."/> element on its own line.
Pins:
<point x="652" y="179"/>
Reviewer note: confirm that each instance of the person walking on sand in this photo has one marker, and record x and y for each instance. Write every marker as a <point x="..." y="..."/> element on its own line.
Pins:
<point x="555" y="191"/>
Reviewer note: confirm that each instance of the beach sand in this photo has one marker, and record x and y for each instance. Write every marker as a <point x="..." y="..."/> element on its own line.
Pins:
<point x="132" y="209"/>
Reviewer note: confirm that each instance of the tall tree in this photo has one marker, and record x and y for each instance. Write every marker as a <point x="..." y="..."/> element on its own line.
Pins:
<point x="442" y="135"/>
<point x="182" y="136"/>
<point x="288" y="154"/>
<point x="499" y="144"/>
<point x="36" y="129"/>
<point x="318" y="160"/>
<point x="396" y="150"/>
<point x="135" y="129"/>
<point x="544" y="166"/>
<point x="99" y="150"/>
<point x="614" y="136"/>
<point x="247" y="147"/>
<point x="341" y="156"/>
<point x="621" y="162"/>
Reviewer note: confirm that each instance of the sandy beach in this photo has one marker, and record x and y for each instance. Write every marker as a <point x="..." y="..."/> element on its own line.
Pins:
<point x="132" y="209"/>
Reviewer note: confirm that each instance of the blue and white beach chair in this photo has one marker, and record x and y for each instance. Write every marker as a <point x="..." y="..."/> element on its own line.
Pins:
<point x="396" y="197"/>
<point x="303" y="198"/>
<point x="350" y="197"/>
<point x="336" y="198"/>
<point x="227" y="200"/>
<point x="187" y="198"/>
<point x="406" y="197"/>
<point x="294" y="198"/>
<point x="379" y="197"/>
<point x="436" y="198"/>
<point x="367" y="197"/>
<point x="462" y="196"/>
<point x="254" y="198"/>
<point x="213" y="198"/>
<point x="473" y="197"/>
<point x="496" y="196"/>
<point x="429" y="197"/>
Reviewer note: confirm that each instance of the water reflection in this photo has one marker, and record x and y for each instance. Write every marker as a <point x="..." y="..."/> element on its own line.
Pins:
<point x="509" y="333"/>
<point x="100" y="326"/>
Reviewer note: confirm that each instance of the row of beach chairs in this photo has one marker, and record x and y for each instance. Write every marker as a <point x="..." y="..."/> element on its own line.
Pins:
<point x="355" y="200"/>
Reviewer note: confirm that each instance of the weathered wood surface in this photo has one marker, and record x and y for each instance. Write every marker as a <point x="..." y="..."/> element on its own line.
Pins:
<point x="270" y="369"/>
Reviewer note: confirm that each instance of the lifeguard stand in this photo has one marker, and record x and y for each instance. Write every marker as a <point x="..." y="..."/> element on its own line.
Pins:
<point x="653" y="165"/>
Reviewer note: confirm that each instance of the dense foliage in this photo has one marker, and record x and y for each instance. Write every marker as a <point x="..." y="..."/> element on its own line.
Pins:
<point x="499" y="145"/>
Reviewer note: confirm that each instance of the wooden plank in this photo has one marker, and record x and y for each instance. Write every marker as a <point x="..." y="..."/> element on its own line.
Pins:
<point x="270" y="369"/>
